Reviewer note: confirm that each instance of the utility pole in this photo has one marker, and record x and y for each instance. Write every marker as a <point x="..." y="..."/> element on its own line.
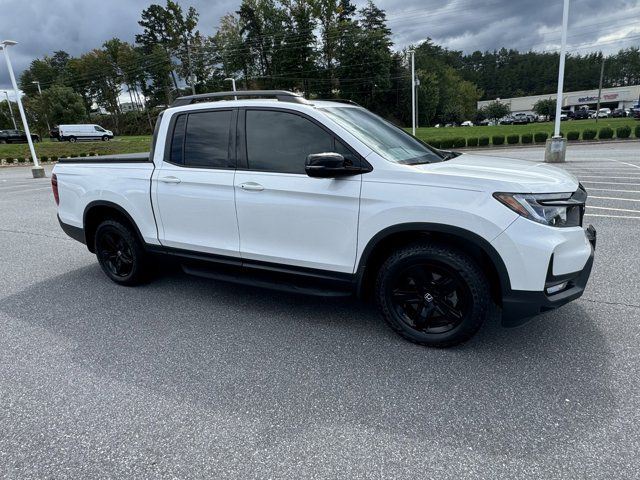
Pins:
<point x="37" y="171"/>
<point x="13" y="119"/>
<point x="40" y="93"/>
<point x="600" y="89"/>
<point x="556" y="146"/>
<point x="413" y="92"/>
<point x="417" y="103"/>
<point x="233" y="85"/>
<point x="193" y="87"/>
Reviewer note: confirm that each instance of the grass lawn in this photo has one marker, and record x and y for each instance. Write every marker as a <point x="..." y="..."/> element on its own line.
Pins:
<point x="49" y="148"/>
<point x="431" y="133"/>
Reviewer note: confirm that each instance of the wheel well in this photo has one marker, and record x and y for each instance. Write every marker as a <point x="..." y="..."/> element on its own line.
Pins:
<point x="394" y="241"/>
<point x="95" y="215"/>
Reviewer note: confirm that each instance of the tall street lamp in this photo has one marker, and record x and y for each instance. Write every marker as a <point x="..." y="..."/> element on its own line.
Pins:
<point x="37" y="171"/>
<point x="233" y="84"/>
<point x="13" y="119"/>
<point x="40" y="92"/>
<point x="413" y="92"/>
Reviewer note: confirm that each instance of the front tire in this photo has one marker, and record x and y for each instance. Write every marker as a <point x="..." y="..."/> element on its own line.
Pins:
<point x="432" y="295"/>
<point x="105" y="138"/>
<point x="73" y="139"/>
<point x="120" y="253"/>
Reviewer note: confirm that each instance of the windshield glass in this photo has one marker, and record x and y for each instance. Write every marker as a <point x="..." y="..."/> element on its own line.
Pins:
<point x="387" y="140"/>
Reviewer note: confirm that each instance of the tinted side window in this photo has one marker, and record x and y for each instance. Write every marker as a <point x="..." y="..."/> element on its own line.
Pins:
<point x="349" y="157"/>
<point x="206" y="142"/>
<point x="281" y="141"/>
<point x="177" y="142"/>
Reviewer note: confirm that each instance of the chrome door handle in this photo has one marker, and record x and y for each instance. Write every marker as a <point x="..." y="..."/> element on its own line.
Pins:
<point x="252" y="186"/>
<point x="170" y="180"/>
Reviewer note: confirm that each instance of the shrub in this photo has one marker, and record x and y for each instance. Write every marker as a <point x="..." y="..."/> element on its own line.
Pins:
<point x="446" y="143"/>
<point x="605" y="133"/>
<point x="44" y="158"/>
<point x="483" y="141"/>
<point x="527" y="138"/>
<point x="20" y="159"/>
<point x="497" y="139"/>
<point x="637" y="132"/>
<point x="589" y="134"/>
<point x="9" y="161"/>
<point x="541" y="137"/>
<point x="83" y="155"/>
<point x="459" y="142"/>
<point x="573" y="135"/>
<point x="472" y="141"/>
<point x="513" y="139"/>
<point x="54" y="158"/>
<point x="435" y="143"/>
<point x="623" y="132"/>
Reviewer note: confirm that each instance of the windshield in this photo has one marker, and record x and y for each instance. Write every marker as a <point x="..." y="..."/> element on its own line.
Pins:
<point x="387" y="140"/>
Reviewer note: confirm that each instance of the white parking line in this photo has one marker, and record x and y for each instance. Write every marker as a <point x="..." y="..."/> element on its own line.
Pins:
<point x="612" y="190"/>
<point x="607" y="176"/>
<point x="611" y="183"/>
<point x="25" y="190"/>
<point x="614" y="198"/>
<point x="614" y="209"/>
<point x="609" y="216"/>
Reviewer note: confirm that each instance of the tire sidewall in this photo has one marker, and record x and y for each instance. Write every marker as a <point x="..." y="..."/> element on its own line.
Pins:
<point x="463" y="266"/>
<point x="136" y="275"/>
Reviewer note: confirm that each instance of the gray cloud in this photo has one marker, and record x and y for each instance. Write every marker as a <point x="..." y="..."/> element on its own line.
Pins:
<point x="43" y="26"/>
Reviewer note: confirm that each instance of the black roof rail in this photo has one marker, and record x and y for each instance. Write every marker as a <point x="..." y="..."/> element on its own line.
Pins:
<point x="280" y="95"/>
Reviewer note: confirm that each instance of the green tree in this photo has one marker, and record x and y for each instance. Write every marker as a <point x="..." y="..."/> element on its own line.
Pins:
<point x="545" y="107"/>
<point x="58" y="104"/>
<point x="495" y="110"/>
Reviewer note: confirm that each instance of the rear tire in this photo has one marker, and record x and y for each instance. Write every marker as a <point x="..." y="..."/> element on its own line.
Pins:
<point x="432" y="295"/>
<point x="73" y="139"/>
<point x="120" y="253"/>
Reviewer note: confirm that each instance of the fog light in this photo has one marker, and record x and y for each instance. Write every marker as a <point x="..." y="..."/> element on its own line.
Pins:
<point x="556" y="288"/>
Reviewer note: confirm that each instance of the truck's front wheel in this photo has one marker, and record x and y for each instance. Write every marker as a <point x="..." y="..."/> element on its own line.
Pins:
<point x="120" y="253"/>
<point x="432" y="295"/>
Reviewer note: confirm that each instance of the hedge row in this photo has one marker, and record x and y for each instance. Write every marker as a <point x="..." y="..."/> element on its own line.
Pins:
<point x="43" y="158"/>
<point x="604" y="133"/>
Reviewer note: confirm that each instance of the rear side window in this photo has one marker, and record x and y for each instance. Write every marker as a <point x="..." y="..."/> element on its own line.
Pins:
<point x="201" y="139"/>
<point x="281" y="141"/>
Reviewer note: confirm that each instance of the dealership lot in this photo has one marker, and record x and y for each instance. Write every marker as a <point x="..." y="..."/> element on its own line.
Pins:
<point x="187" y="377"/>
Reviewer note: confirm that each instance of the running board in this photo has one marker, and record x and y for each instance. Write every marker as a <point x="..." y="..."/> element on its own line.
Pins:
<point x="272" y="281"/>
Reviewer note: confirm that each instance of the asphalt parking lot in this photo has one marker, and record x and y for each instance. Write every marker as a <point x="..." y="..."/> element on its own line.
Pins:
<point x="190" y="378"/>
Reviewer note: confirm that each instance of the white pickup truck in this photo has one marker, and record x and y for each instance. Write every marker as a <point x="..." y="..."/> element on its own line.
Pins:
<point x="327" y="198"/>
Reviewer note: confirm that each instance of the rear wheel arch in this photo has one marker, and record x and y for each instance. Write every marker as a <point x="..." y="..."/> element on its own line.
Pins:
<point x="97" y="212"/>
<point x="385" y="242"/>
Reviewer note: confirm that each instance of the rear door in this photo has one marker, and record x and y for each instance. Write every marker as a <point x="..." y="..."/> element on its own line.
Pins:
<point x="193" y="186"/>
<point x="284" y="216"/>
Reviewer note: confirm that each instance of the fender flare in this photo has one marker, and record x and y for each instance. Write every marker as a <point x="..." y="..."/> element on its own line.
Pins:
<point x="114" y="206"/>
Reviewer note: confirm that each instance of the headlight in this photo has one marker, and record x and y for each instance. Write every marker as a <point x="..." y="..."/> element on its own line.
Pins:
<point x="553" y="209"/>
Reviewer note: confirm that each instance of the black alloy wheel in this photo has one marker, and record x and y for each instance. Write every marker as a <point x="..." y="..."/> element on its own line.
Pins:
<point x="432" y="294"/>
<point x="120" y="253"/>
<point x="430" y="298"/>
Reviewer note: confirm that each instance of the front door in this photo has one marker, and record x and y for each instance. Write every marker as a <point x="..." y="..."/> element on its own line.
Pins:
<point x="285" y="216"/>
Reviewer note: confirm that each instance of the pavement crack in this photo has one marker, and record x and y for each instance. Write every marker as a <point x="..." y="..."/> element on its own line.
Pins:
<point x="24" y="232"/>
<point x="621" y="304"/>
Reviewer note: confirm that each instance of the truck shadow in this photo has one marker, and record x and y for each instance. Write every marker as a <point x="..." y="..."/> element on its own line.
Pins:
<point x="235" y="349"/>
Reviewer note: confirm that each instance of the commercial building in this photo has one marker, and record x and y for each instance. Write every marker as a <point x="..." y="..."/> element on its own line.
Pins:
<point x="619" y="97"/>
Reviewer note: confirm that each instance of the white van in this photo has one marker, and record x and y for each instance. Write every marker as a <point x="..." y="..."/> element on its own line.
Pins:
<point x="73" y="133"/>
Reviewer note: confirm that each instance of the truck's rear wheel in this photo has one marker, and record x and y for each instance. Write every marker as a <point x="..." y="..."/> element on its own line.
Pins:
<point x="120" y="253"/>
<point x="73" y="139"/>
<point x="432" y="295"/>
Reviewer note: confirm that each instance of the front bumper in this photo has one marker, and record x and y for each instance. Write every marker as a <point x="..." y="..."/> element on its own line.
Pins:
<point x="519" y="305"/>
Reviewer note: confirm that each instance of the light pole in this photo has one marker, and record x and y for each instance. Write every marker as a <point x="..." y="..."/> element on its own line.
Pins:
<point x="37" y="171"/>
<point x="413" y="92"/>
<point x="556" y="146"/>
<point x="40" y="93"/>
<point x="13" y="119"/>
<point x="233" y="84"/>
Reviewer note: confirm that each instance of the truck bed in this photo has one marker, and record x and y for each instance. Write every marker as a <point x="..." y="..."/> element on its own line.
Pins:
<point x="118" y="158"/>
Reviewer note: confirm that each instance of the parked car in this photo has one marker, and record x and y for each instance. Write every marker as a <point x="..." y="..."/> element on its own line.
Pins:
<point x="73" y="133"/>
<point x="604" y="113"/>
<point x="619" y="112"/>
<point x="16" y="136"/>
<point x="327" y="198"/>
<point x="467" y="123"/>
<point x="532" y="118"/>
<point x="581" y="114"/>
<point x="508" y="120"/>
<point x="520" y="118"/>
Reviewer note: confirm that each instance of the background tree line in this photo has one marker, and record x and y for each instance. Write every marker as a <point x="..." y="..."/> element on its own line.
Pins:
<point x="321" y="48"/>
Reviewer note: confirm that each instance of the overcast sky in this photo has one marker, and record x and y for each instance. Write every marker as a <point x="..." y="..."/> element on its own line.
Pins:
<point x="76" y="26"/>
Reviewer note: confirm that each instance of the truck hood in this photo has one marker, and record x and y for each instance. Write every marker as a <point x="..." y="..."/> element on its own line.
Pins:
<point x="482" y="172"/>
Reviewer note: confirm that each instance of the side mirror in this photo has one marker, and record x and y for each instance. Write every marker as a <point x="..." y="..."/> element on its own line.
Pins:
<point x="328" y="165"/>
